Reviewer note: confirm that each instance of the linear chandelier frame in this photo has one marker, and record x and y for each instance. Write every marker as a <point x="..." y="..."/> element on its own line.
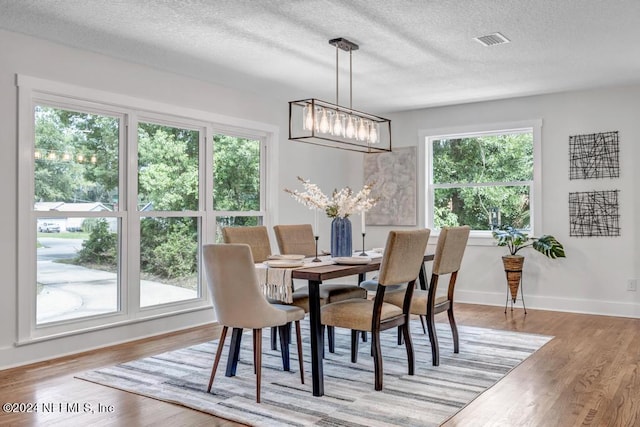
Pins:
<point x="327" y="124"/>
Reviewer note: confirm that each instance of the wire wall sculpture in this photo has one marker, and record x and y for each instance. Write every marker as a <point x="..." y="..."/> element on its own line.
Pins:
<point x="594" y="155"/>
<point x="594" y="213"/>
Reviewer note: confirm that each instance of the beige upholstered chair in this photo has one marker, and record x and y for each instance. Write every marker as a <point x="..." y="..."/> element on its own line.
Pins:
<point x="296" y="239"/>
<point x="401" y="262"/>
<point x="449" y="251"/>
<point x="299" y="239"/>
<point x="239" y="303"/>
<point x="257" y="237"/>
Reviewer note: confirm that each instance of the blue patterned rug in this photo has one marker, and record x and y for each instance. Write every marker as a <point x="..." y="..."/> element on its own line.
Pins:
<point x="428" y="398"/>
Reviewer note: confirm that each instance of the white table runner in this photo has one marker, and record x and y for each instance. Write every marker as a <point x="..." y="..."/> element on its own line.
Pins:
<point x="277" y="284"/>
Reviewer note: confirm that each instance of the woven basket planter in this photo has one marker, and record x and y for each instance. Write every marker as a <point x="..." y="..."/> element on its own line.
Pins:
<point x="513" y="269"/>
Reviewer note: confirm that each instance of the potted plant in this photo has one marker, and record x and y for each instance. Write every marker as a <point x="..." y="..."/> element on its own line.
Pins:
<point x="515" y="240"/>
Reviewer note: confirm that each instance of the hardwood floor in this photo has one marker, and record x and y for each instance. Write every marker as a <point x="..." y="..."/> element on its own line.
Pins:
<point x="588" y="374"/>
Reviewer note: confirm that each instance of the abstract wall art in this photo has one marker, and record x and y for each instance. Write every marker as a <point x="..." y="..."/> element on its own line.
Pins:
<point x="394" y="178"/>
<point x="594" y="155"/>
<point x="594" y="213"/>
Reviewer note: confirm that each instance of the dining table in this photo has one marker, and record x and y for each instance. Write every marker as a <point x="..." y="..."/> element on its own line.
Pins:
<point x="316" y="275"/>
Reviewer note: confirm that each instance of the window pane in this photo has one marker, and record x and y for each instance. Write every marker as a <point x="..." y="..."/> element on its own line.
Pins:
<point x="76" y="159"/>
<point x="167" y="168"/>
<point x="168" y="260"/>
<point x="495" y="158"/>
<point x="77" y="273"/>
<point x="236" y="174"/>
<point x="234" y="221"/>
<point x="473" y="205"/>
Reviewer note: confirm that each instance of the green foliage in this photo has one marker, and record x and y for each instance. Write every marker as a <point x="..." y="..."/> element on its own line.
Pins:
<point x="168" y="247"/>
<point x="168" y="167"/>
<point x="66" y="141"/>
<point x="482" y="160"/>
<point x="168" y="180"/>
<point x="515" y="240"/>
<point x="236" y="174"/>
<point x="100" y="247"/>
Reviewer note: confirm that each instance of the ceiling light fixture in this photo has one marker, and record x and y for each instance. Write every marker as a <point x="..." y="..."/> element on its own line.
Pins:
<point x="319" y="122"/>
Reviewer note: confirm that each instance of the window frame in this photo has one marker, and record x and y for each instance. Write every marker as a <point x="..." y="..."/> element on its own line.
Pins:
<point x="31" y="91"/>
<point x="426" y="138"/>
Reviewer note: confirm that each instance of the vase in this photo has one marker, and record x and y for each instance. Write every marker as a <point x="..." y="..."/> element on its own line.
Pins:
<point x="513" y="269"/>
<point x="341" y="238"/>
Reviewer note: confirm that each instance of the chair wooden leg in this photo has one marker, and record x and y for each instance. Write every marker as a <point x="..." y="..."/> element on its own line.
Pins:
<point x="454" y="329"/>
<point x="377" y="358"/>
<point x="364" y="336"/>
<point x="223" y="335"/>
<point x="433" y="338"/>
<point x="409" y="346"/>
<point x="422" y="321"/>
<point x="234" y="352"/>
<point x="257" y="358"/>
<point x="399" y="335"/>
<point x="354" y="346"/>
<point x="274" y="338"/>
<point x="331" y="335"/>
<point x="284" y="347"/>
<point x="299" y="342"/>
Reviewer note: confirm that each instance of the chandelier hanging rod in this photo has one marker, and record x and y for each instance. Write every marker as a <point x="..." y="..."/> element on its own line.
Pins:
<point x="347" y="46"/>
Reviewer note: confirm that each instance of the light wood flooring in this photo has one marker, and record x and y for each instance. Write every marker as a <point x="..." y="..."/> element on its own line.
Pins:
<point x="588" y="375"/>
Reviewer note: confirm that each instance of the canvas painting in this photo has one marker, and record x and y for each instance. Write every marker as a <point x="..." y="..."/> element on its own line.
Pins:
<point x="394" y="178"/>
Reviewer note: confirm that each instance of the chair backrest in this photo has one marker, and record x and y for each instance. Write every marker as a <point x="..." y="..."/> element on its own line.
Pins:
<point x="403" y="256"/>
<point x="295" y="239"/>
<point x="233" y="284"/>
<point x="256" y="237"/>
<point x="450" y="249"/>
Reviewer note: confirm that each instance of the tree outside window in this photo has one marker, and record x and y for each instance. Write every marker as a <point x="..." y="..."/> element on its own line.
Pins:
<point x="482" y="180"/>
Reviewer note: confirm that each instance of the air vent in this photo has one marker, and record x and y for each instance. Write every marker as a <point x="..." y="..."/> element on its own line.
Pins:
<point x="492" y="39"/>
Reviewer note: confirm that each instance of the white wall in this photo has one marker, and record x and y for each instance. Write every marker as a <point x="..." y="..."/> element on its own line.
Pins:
<point x="593" y="277"/>
<point x="33" y="57"/>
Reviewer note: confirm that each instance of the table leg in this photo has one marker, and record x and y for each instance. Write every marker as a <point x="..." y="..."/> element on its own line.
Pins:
<point x="234" y="352"/>
<point x="317" y="339"/>
<point x="423" y="278"/>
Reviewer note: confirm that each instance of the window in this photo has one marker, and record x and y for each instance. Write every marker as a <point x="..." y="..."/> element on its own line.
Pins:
<point x="116" y="202"/>
<point x="76" y="175"/>
<point x="482" y="179"/>
<point x="237" y="194"/>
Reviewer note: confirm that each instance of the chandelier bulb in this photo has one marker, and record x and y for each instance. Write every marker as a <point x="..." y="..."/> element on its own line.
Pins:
<point x="362" y="131"/>
<point x="337" y="124"/>
<point x="308" y="117"/>
<point x="373" y="133"/>
<point x="324" y="122"/>
<point x="351" y="129"/>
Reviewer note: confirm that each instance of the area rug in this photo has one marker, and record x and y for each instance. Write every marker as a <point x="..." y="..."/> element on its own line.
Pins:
<point x="428" y="398"/>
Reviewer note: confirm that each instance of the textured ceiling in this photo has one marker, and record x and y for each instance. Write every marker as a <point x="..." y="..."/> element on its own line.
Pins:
<point x="413" y="53"/>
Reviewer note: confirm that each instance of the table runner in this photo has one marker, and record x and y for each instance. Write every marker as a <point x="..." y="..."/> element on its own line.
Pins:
<point x="276" y="283"/>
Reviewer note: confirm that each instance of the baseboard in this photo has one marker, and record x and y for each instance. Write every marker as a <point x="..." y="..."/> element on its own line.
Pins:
<point x="570" y="305"/>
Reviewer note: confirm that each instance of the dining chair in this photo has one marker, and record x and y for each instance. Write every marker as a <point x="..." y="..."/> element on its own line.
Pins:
<point x="447" y="260"/>
<point x="401" y="263"/>
<point x="257" y="237"/>
<point x="299" y="239"/>
<point x="238" y="302"/>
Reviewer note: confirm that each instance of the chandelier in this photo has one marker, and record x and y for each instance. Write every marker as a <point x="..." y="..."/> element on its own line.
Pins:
<point x="322" y="123"/>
